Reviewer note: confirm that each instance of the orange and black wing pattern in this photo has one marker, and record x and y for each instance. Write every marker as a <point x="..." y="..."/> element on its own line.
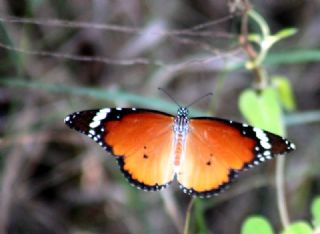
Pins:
<point x="217" y="149"/>
<point x="142" y="141"/>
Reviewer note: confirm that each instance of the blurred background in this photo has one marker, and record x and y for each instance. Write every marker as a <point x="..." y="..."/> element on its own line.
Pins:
<point x="58" y="57"/>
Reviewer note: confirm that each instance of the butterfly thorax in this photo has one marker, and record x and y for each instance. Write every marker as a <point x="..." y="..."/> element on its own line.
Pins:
<point x="181" y="122"/>
<point x="180" y="129"/>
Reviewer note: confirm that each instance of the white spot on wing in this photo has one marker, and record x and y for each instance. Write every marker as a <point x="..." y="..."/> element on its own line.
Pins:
<point x="260" y="134"/>
<point x="105" y="110"/>
<point x="94" y="124"/>
<point x="265" y="144"/>
<point x="266" y="153"/>
<point x="100" y="115"/>
<point x="292" y="146"/>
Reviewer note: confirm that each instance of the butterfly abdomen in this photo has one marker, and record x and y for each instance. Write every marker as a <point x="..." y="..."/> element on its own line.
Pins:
<point x="179" y="149"/>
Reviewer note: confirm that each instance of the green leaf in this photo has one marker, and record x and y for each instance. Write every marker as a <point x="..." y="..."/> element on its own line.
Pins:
<point x="256" y="224"/>
<point x="262" y="109"/>
<point x="285" y="92"/>
<point x="315" y="210"/>
<point x="298" y="228"/>
<point x="287" y="32"/>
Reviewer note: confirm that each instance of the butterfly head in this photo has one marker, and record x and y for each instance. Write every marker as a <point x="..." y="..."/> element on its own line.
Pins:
<point x="183" y="112"/>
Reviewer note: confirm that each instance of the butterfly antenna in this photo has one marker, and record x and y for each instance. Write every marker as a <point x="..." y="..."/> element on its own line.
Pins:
<point x="171" y="97"/>
<point x="199" y="99"/>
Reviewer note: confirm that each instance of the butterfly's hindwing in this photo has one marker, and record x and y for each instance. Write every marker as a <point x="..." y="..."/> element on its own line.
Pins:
<point x="233" y="174"/>
<point x="136" y="183"/>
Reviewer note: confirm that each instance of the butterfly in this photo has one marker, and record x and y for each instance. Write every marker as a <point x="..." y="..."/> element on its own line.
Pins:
<point x="153" y="148"/>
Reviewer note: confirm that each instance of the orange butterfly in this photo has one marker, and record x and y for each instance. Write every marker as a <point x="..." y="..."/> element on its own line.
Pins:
<point x="152" y="147"/>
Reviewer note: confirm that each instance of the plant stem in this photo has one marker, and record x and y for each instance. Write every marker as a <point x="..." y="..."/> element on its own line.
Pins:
<point x="256" y="59"/>
<point x="172" y="209"/>
<point x="281" y="200"/>
<point x="261" y="22"/>
<point x="188" y="214"/>
<point x="260" y="77"/>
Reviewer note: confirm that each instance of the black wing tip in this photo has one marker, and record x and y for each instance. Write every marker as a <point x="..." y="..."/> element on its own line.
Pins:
<point x="214" y="192"/>
<point x="262" y="155"/>
<point x="290" y="146"/>
<point x="68" y="120"/>
<point x="138" y="184"/>
<point x="81" y="122"/>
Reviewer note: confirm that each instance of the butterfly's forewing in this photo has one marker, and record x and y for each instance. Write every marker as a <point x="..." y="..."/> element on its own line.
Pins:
<point x="141" y="139"/>
<point x="217" y="149"/>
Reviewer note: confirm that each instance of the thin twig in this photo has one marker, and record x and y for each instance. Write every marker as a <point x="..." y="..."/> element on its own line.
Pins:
<point x="121" y="62"/>
<point x="124" y="62"/>
<point x="118" y="28"/>
<point x="192" y="31"/>
<point x="210" y="23"/>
